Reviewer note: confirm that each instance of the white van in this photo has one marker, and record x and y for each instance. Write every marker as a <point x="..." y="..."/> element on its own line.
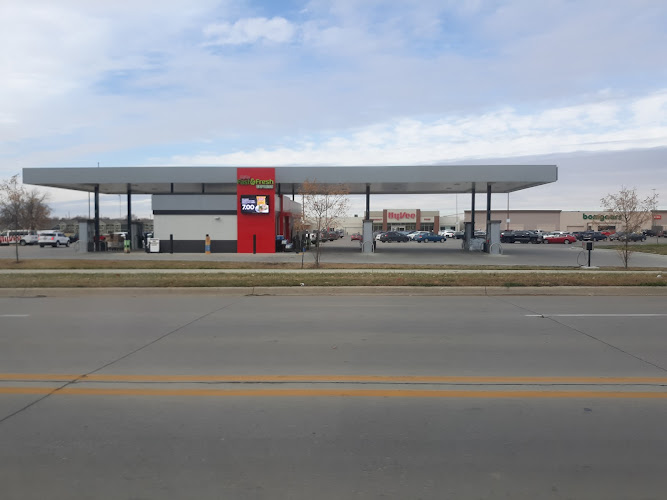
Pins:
<point x="20" y="236"/>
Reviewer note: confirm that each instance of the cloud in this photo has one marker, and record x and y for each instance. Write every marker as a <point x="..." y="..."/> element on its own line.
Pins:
<point x="327" y="81"/>
<point x="250" y="30"/>
<point x="608" y="125"/>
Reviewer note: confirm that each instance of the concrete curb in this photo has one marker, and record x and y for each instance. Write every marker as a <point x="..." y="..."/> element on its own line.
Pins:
<point x="307" y="291"/>
<point x="326" y="271"/>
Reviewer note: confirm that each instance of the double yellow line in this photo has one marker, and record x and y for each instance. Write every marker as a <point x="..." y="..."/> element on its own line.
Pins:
<point x="408" y="386"/>
<point x="399" y="379"/>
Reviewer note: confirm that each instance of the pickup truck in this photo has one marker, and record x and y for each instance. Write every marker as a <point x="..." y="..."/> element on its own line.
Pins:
<point x="521" y="237"/>
<point x="593" y="236"/>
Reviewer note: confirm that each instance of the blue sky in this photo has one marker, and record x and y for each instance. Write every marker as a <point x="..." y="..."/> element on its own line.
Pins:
<point x="582" y="84"/>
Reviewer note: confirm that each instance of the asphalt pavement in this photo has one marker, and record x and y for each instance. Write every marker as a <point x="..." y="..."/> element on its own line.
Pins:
<point x="148" y="395"/>
<point x="345" y="251"/>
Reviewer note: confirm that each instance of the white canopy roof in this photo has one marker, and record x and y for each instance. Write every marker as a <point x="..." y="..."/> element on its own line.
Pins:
<point x="416" y="179"/>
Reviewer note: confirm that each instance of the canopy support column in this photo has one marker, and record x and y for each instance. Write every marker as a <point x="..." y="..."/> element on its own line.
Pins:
<point x="367" y="242"/>
<point x="472" y="212"/>
<point x="129" y="214"/>
<point x="97" y="218"/>
<point x="488" y="202"/>
<point x="492" y="244"/>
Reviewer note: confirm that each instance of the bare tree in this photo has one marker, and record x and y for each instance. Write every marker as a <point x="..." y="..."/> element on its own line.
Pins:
<point x="36" y="213"/>
<point x="22" y="208"/>
<point x="323" y="205"/>
<point x="632" y="212"/>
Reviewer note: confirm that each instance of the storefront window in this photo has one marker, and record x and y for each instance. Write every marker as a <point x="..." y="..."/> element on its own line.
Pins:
<point x="403" y="227"/>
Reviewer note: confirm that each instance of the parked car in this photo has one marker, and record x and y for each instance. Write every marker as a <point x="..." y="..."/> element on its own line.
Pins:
<point x="447" y="233"/>
<point x="559" y="238"/>
<point x="20" y="236"/>
<point x="593" y="236"/>
<point x="521" y="237"/>
<point x="429" y="237"/>
<point x="356" y="237"/>
<point x="459" y="235"/>
<point x="625" y="236"/>
<point x="653" y="232"/>
<point x="412" y="235"/>
<point x="316" y="238"/>
<point x="635" y="237"/>
<point x="53" y="239"/>
<point x="390" y="236"/>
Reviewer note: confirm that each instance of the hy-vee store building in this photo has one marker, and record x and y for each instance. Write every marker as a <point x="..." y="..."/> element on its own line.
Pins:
<point x="242" y="210"/>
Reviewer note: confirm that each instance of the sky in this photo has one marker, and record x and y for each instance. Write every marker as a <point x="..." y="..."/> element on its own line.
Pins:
<point x="580" y="84"/>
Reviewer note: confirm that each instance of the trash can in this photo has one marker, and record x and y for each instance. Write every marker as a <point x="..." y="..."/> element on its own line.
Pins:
<point x="153" y="245"/>
<point x="280" y="239"/>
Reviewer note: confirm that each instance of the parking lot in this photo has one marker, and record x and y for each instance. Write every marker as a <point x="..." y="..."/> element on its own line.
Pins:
<point x="346" y="251"/>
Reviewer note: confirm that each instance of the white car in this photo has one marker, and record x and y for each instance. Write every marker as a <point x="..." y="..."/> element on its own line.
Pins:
<point x="53" y="238"/>
<point x="417" y="233"/>
<point x="20" y="236"/>
<point x="447" y="233"/>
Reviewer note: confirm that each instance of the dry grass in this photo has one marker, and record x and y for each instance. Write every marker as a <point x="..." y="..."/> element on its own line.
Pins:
<point x="659" y="249"/>
<point x="264" y="279"/>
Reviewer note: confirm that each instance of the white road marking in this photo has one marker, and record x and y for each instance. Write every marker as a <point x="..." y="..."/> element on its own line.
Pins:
<point x="14" y="315"/>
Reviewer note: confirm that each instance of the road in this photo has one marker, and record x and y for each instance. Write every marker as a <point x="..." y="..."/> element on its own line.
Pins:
<point x="191" y="396"/>
<point x="344" y="251"/>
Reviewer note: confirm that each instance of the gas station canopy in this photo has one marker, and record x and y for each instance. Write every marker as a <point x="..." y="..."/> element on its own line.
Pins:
<point x="408" y="179"/>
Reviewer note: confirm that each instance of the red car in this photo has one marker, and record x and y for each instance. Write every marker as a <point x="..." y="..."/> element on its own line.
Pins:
<point x="355" y="236"/>
<point x="559" y="238"/>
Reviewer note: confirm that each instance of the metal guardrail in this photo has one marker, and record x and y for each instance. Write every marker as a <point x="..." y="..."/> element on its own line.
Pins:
<point x="493" y="245"/>
<point x="367" y="243"/>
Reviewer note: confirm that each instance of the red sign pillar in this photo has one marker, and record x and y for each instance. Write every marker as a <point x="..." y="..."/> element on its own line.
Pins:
<point x="256" y="224"/>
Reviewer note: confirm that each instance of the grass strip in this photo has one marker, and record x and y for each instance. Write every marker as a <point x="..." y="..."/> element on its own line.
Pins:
<point x="67" y="264"/>
<point x="66" y="280"/>
<point x="658" y="249"/>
